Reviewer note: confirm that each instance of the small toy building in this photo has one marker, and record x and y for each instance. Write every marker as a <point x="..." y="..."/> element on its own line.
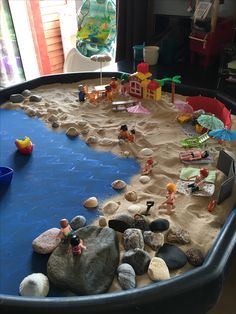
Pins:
<point x="140" y="84"/>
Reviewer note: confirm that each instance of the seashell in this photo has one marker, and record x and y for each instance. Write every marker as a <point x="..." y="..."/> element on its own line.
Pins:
<point x="35" y="285"/>
<point x="91" y="202"/>
<point x="92" y="140"/>
<point x="134" y="209"/>
<point x="110" y="207"/>
<point x="126" y="153"/>
<point x="72" y="132"/>
<point x="118" y="184"/>
<point x="144" y="179"/>
<point x="102" y="221"/>
<point x="131" y="196"/>
<point x="82" y="123"/>
<point x="146" y="152"/>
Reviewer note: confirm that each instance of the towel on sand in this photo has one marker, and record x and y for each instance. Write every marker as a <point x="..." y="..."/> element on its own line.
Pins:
<point x="189" y="172"/>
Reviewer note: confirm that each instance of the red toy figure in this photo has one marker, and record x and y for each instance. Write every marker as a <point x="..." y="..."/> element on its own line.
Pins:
<point x="114" y="84"/>
<point x="24" y="146"/>
<point x="199" y="180"/>
<point x="131" y="136"/>
<point x="66" y="230"/>
<point x="169" y="203"/>
<point x="108" y="92"/>
<point x="76" y="245"/>
<point x="148" y="166"/>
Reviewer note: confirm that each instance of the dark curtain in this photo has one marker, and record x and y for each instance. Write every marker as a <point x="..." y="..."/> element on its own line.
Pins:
<point x="135" y="25"/>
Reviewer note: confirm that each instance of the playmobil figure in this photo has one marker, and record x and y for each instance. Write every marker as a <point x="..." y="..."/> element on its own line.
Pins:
<point x="81" y="93"/>
<point x="76" y="245"/>
<point x="108" y="92"/>
<point x="193" y="155"/>
<point x="131" y="137"/>
<point x="66" y="230"/>
<point x="199" y="180"/>
<point x="124" y="133"/>
<point x="123" y="87"/>
<point x="169" y="203"/>
<point x="114" y="84"/>
<point x="149" y="205"/>
<point x="148" y="166"/>
<point x="24" y="146"/>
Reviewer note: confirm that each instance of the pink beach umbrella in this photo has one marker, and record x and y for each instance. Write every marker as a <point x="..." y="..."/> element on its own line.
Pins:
<point x="183" y="107"/>
<point x="101" y="58"/>
<point x="138" y="109"/>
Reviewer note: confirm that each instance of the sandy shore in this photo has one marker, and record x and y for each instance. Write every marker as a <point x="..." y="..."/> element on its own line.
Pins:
<point x="158" y="131"/>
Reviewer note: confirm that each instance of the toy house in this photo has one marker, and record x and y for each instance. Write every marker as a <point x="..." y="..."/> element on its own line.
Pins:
<point x="140" y="84"/>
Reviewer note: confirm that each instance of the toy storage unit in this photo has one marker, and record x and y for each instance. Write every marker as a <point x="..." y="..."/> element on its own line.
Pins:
<point x="209" y="45"/>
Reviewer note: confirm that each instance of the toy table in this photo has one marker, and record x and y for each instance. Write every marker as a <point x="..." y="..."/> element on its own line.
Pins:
<point x="195" y="291"/>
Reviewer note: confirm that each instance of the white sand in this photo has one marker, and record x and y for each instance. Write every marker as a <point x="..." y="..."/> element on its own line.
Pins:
<point x="159" y="131"/>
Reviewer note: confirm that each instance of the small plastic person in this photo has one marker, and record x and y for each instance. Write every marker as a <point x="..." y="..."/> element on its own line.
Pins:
<point x="148" y="166"/>
<point x="114" y="84"/>
<point x="123" y="87"/>
<point x="199" y="180"/>
<point x="66" y="230"/>
<point x="76" y="245"/>
<point x="131" y="137"/>
<point x="108" y="92"/>
<point x="169" y="203"/>
<point x="193" y="155"/>
<point x="81" y="93"/>
<point x="124" y="133"/>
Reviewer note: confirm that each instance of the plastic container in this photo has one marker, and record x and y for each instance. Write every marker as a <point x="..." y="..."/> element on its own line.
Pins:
<point x="6" y="174"/>
<point x="138" y="52"/>
<point x="195" y="291"/>
<point x="151" y="54"/>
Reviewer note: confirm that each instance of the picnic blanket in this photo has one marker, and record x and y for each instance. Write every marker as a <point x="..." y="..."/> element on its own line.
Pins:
<point x="188" y="172"/>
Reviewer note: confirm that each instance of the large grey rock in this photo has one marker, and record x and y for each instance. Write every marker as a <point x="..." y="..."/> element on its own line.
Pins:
<point x="93" y="271"/>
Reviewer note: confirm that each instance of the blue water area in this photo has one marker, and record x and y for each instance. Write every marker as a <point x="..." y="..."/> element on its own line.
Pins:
<point x="48" y="185"/>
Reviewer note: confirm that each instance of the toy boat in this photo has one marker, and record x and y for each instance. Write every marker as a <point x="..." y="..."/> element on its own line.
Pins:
<point x="24" y="146"/>
<point x="6" y="174"/>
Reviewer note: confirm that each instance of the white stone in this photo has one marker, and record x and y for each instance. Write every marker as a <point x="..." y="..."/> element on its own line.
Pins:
<point x="158" y="270"/>
<point x="35" y="285"/>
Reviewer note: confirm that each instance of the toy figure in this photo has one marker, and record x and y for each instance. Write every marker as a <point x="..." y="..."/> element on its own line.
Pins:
<point x="24" y="146"/>
<point x="169" y="203"/>
<point x="66" y="230"/>
<point x="76" y="245"/>
<point x="92" y="96"/>
<point x="108" y="92"/>
<point x="114" y="84"/>
<point x="193" y="155"/>
<point x="149" y="205"/>
<point x="123" y="134"/>
<point x="131" y="136"/>
<point x="199" y="180"/>
<point x="148" y="166"/>
<point x="81" y="93"/>
<point x="123" y="87"/>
